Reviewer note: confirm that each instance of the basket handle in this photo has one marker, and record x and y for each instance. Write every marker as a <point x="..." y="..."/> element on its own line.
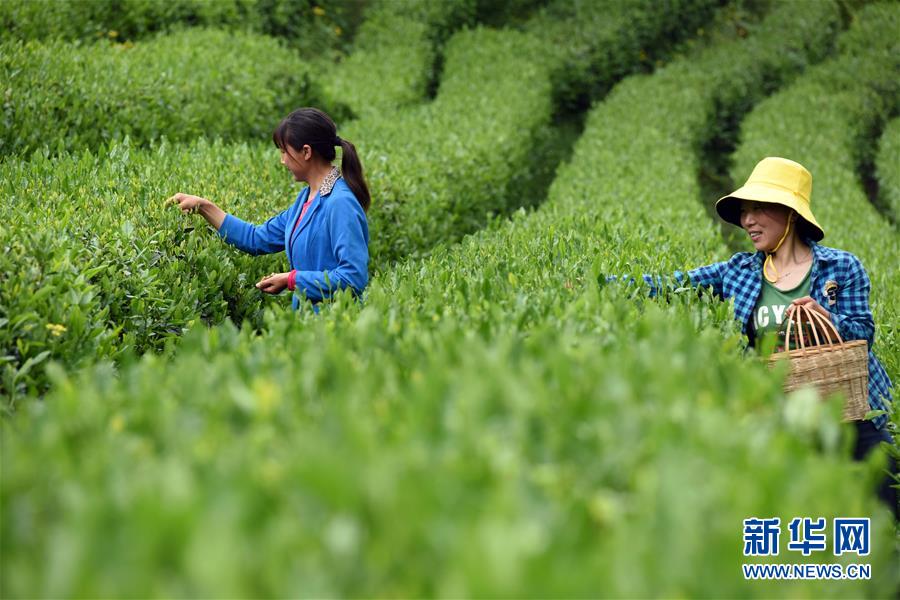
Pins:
<point x="787" y="334"/>
<point x="813" y="317"/>
<point x="828" y="326"/>
<point x="815" y="330"/>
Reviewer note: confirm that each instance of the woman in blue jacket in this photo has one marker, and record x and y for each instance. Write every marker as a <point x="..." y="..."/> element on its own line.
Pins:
<point x="324" y="232"/>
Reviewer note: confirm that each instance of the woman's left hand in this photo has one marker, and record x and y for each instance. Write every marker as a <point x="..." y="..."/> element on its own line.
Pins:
<point x="810" y="303"/>
<point x="274" y="283"/>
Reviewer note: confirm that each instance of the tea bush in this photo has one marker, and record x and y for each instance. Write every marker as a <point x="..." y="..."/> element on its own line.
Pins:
<point x="117" y="270"/>
<point x="489" y="422"/>
<point x="480" y="144"/>
<point x="397" y="54"/>
<point x="394" y="53"/>
<point x="399" y="463"/>
<point x="888" y="167"/>
<point x="181" y="86"/>
<point x="310" y="26"/>
<point x="123" y="20"/>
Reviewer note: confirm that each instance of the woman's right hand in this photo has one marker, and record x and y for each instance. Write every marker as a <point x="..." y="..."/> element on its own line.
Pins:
<point x="187" y="203"/>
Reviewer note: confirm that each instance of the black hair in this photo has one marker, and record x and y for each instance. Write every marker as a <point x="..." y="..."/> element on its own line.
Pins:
<point x="806" y="231"/>
<point x="312" y="127"/>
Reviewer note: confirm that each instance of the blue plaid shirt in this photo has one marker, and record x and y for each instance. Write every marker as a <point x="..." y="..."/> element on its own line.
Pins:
<point x="740" y="278"/>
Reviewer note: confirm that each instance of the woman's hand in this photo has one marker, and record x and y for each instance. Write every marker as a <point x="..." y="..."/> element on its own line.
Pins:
<point x="188" y="204"/>
<point x="809" y="303"/>
<point x="274" y="283"/>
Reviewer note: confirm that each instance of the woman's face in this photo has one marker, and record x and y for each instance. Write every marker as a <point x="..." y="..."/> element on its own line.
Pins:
<point x="764" y="223"/>
<point x="296" y="161"/>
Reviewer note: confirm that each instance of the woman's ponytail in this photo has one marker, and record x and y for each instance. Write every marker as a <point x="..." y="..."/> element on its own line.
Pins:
<point x="352" y="172"/>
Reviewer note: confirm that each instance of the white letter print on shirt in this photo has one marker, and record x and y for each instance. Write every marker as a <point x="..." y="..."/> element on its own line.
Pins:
<point x="762" y="315"/>
<point x="778" y="309"/>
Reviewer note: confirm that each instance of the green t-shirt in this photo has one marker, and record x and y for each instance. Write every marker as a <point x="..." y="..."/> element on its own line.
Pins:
<point x="770" y="312"/>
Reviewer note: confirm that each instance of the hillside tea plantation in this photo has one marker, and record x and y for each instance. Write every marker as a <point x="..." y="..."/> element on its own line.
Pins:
<point x="492" y="417"/>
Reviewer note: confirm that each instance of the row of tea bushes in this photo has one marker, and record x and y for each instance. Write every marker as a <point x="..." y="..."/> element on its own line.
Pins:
<point x="888" y="168"/>
<point x="481" y="144"/>
<point x="117" y="19"/>
<point x="826" y="121"/>
<point x="398" y="466"/>
<point x="311" y="26"/>
<point x="489" y="422"/>
<point x="395" y="53"/>
<point x="179" y="86"/>
<point x="580" y="35"/>
<point x="132" y="255"/>
<point x="93" y="263"/>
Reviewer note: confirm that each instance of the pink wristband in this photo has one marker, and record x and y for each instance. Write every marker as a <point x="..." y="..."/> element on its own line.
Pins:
<point x="292" y="280"/>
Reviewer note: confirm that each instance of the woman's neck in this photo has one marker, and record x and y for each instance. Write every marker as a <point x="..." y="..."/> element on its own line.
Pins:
<point x="317" y="175"/>
<point x="793" y="251"/>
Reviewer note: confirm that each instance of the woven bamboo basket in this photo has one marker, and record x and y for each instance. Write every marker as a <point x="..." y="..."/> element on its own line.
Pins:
<point x="832" y="365"/>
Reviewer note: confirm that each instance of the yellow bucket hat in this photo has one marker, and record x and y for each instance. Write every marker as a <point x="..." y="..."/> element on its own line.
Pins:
<point x="777" y="181"/>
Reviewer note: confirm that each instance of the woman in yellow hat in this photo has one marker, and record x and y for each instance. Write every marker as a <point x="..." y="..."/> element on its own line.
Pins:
<point x="790" y="268"/>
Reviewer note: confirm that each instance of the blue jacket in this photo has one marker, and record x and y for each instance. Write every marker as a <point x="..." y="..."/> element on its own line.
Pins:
<point x="740" y="278"/>
<point x="329" y="248"/>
